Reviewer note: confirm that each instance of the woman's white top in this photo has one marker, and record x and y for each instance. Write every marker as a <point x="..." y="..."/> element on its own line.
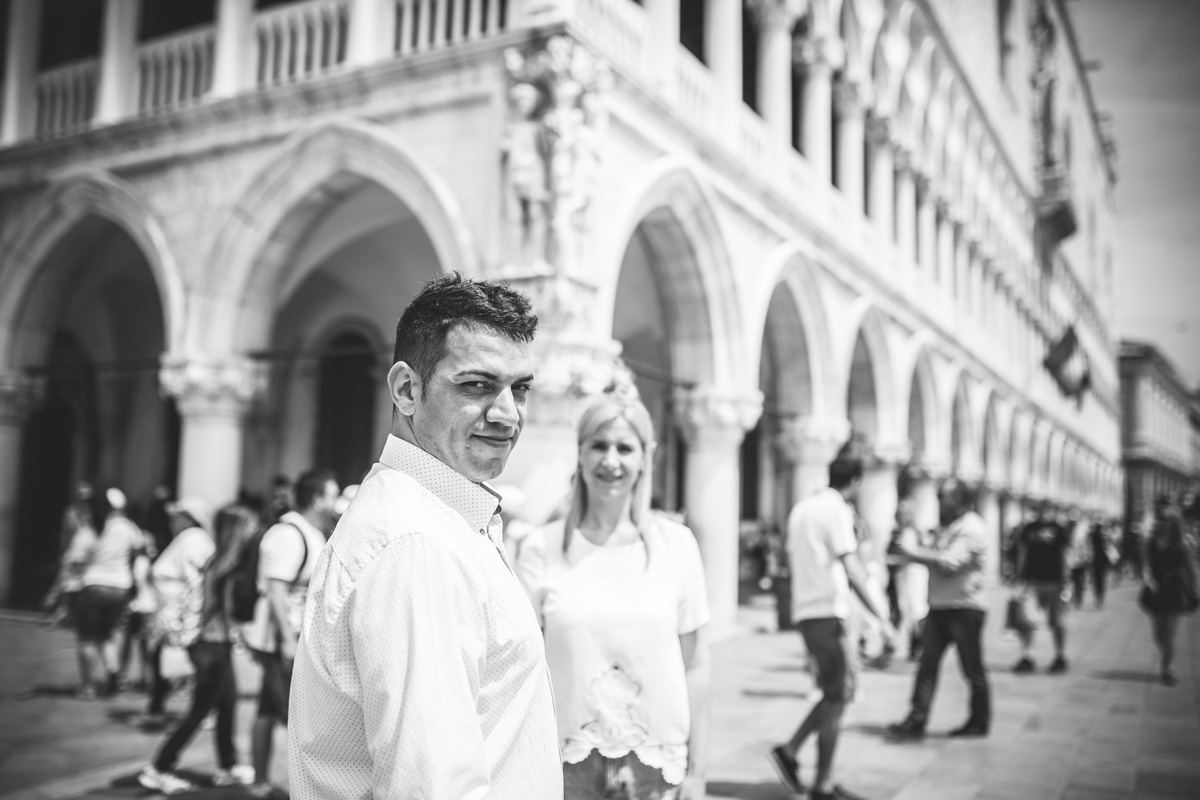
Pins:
<point x="612" y="624"/>
<point x="110" y="559"/>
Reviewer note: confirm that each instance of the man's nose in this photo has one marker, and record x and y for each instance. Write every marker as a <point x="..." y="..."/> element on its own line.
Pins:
<point x="504" y="409"/>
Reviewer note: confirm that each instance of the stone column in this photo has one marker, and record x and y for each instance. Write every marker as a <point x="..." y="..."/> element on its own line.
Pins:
<point x="713" y="426"/>
<point x="987" y="503"/>
<point x="927" y="243"/>
<point x="962" y="256"/>
<point x="18" y="397"/>
<point x="808" y="446"/>
<point x="233" y="70"/>
<point x="924" y="491"/>
<point x="213" y="396"/>
<point x="723" y="53"/>
<point x="882" y="176"/>
<point x="117" y="96"/>
<point x="879" y="494"/>
<point x="775" y="21"/>
<point x="945" y="245"/>
<point x="372" y="31"/>
<point x="906" y="206"/>
<point x="20" y="68"/>
<point x="819" y="57"/>
<point x="850" y="100"/>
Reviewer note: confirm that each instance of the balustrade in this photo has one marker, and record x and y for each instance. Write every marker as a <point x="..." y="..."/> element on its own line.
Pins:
<point x="619" y="28"/>
<point x="423" y="25"/>
<point x="175" y="71"/>
<point x="753" y="143"/>
<point x="301" y="40"/>
<point x="694" y="90"/>
<point x="66" y="98"/>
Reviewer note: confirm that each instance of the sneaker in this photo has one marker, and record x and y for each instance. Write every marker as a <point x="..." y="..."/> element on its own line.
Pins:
<point x="787" y="768"/>
<point x="972" y="730"/>
<point x="909" y="729"/>
<point x="237" y="775"/>
<point x="1058" y="666"/>
<point x="261" y="789"/>
<point x="162" y="781"/>
<point x="1025" y="665"/>
<point x="838" y="792"/>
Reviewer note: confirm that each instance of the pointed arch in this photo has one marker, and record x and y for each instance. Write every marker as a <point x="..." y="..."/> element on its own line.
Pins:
<point x="315" y="166"/>
<point x="58" y="211"/>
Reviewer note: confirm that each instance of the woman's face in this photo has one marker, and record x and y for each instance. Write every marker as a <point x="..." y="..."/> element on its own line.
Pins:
<point x="611" y="459"/>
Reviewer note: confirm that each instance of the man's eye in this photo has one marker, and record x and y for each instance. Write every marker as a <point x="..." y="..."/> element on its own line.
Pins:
<point x="522" y="388"/>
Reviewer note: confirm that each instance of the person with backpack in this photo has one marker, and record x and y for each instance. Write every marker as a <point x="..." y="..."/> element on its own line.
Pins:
<point x="286" y="556"/>
<point x="198" y="619"/>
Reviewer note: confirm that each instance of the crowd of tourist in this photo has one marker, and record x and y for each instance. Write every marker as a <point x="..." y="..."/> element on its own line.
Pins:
<point x="420" y="639"/>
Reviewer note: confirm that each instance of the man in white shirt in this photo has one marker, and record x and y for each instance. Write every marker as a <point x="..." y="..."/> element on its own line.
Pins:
<point x="421" y="671"/>
<point x="287" y="558"/>
<point x="822" y="550"/>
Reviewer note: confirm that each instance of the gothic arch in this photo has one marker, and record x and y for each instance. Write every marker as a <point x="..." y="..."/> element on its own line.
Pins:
<point x="58" y="211"/>
<point x="316" y="165"/>
<point x="866" y="356"/>
<point x="674" y="211"/>
<point x="922" y="411"/>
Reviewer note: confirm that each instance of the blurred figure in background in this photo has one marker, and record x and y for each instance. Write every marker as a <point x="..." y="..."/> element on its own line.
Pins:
<point x="104" y="560"/>
<point x="1042" y="567"/>
<point x="911" y="579"/>
<point x="957" y="564"/>
<point x="205" y="629"/>
<point x="1169" y="579"/>
<point x="631" y="698"/>
<point x="1079" y="557"/>
<point x="1104" y="557"/>
<point x="61" y="600"/>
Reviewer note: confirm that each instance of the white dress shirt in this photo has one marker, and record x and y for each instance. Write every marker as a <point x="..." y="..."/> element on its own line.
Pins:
<point x="421" y="672"/>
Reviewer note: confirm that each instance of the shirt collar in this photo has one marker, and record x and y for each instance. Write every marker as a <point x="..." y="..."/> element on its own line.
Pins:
<point x="476" y="502"/>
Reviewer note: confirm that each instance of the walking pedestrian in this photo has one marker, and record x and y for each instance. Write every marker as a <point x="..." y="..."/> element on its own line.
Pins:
<point x="287" y="561"/>
<point x="822" y="549"/>
<point x="1079" y="557"/>
<point x="631" y="698"/>
<point x="208" y="636"/>
<point x="104" y="560"/>
<point x="1169" y="579"/>
<point x="421" y="671"/>
<point x="1103" y="558"/>
<point x="1042" y="546"/>
<point x="957" y="562"/>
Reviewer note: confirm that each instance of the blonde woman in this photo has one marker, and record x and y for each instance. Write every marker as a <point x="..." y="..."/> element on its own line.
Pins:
<point x="620" y="594"/>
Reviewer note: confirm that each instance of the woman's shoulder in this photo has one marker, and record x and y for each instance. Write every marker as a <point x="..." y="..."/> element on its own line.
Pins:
<point x="674" y="533"/>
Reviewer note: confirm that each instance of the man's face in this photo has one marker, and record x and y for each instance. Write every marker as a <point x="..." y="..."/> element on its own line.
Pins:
<point x="949" y="503"/>
<point x="471" y="412"/>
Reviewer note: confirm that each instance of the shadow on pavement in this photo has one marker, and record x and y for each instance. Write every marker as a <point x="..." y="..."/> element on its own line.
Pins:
<point x="127" y="786"/>
<point x="1134" y="676"/>
<point x="748" y="791"/>
<point x="801" y="695"/>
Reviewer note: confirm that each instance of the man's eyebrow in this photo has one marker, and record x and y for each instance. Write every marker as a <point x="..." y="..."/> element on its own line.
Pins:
<point x="487" y="375"/>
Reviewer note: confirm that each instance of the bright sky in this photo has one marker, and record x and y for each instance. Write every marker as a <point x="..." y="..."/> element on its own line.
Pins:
<point x="1150" y="82"/>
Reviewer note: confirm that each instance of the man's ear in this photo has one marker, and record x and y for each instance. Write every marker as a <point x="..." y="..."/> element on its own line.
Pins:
<point x="404" y="385"/>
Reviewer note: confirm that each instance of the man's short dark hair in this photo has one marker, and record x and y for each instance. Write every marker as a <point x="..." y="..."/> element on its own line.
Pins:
<point x="453" y="300"/>
<point x="311" y="485"/>
<point x="843" y="471"/>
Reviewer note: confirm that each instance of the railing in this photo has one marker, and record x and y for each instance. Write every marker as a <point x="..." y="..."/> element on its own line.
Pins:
<point x="301" y="40"/>
<point x="423" y="25"/>
<point x="753" y="142"/>
<point x="619" y="27"/>
<point x="693" y="90"/>
<point x="176" y="71"/>
<point x="66" y="98"/>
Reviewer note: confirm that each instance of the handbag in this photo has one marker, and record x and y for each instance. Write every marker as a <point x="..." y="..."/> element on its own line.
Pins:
<point x="1016" y="614"/>
<point x="1148" y="600"/>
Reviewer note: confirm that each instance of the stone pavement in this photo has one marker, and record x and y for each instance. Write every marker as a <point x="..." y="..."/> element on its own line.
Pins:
<point x="1103" y="731"/>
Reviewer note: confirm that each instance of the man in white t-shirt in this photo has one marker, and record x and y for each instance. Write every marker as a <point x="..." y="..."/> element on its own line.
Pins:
<point x="822" y="549"/>
<point x="287" y="555"/>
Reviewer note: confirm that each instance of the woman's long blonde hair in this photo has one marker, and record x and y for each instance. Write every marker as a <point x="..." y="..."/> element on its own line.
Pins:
<point x="234" y="530"/>
<point x="604" y="409"/>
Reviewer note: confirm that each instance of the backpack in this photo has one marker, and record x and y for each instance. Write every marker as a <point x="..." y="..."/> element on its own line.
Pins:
<point x="242" y="582"/>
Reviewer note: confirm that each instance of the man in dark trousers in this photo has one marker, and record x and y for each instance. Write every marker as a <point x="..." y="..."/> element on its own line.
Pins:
<point x="1042" y="566"/>
<point x="957" y="564"/>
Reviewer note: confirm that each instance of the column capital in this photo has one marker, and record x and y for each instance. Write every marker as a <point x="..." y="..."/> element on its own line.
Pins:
<point x="928" y="467"/>
<point x="883" y="455"/>
<point x="881" y="130"/>
<point x="811" y="438"/>
<point x="851" y="97"/>
<point x="777" y="14"/>
<point x="704" y="412"/>
<point x="904" y="159"/>
<point x="570" y="373"/>
<point x="205" y="385"/>
<point x="818" y="53"/>
<point x="19" y="397"/>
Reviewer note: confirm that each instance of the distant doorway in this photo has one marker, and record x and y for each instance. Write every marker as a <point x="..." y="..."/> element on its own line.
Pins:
<point x="346" y="396"/>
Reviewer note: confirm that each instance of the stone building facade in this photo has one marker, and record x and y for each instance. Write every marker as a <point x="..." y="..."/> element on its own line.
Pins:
<point x="1160" y="430"/>
<point x="794" y="222"/>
